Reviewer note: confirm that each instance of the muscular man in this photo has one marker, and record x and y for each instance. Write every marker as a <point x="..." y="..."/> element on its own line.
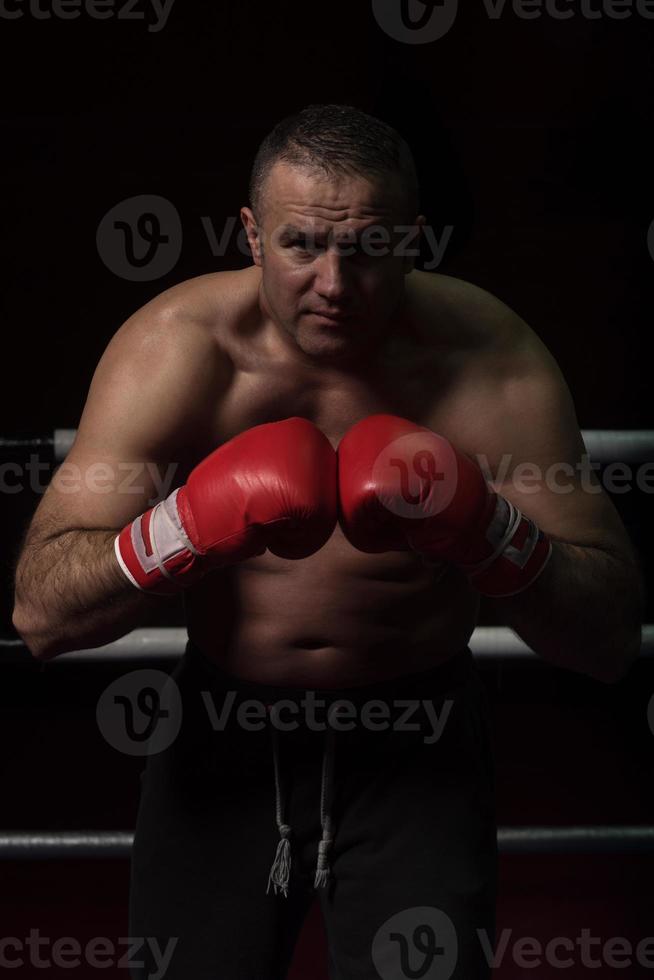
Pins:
<point x="360" y="450"/>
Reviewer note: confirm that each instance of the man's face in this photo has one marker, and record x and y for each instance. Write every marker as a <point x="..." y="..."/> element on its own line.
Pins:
<point x="332" y="277"/>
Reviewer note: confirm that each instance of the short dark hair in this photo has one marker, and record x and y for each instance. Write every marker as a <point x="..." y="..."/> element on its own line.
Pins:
<point x="336" y="140"/>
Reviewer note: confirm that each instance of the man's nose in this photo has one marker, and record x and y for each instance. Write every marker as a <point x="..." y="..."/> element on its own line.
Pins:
<point x="332" y="279"/>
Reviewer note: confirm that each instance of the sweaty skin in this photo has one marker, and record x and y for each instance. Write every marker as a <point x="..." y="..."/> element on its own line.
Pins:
<point x="306" y="331"/>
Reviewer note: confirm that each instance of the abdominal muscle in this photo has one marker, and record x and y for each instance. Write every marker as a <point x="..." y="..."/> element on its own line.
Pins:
<point x="339" y="618"/>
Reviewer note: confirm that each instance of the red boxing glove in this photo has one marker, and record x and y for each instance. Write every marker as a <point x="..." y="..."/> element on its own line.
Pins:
<point x="403" y="486"/>
<point x="273" y="486"/>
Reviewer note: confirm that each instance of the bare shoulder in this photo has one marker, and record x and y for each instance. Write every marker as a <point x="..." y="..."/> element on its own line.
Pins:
<point x="460" y="314"/>
<point x="149" y="406"/>
<point x="163" y="371"/>
<point x="185" y="334"/>
<point x="203" y="310"/>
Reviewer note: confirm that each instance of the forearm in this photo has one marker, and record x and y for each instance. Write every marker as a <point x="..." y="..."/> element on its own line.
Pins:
<point x="583" y="612"/>
<point x="72" y="594"/>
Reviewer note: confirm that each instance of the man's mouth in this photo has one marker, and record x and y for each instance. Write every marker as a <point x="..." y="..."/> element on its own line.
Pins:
<point x="336" y="316"/>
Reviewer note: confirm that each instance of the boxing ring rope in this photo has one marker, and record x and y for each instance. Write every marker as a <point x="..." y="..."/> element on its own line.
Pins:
<point x="167" y="643"/>
<point x="603" y="445"/>
<point x="98" y="845"/>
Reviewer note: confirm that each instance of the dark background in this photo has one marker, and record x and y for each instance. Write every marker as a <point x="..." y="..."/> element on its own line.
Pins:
<point x="533" y="139"/>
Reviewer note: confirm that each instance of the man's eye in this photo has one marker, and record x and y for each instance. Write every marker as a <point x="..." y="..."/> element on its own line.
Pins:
<point x="304" y="245"/>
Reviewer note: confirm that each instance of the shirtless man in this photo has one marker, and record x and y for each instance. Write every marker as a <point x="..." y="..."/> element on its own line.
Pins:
<point x="342" y="345"/>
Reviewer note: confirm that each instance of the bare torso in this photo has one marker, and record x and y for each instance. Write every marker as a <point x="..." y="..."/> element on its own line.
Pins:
<point x="341" y="617"/>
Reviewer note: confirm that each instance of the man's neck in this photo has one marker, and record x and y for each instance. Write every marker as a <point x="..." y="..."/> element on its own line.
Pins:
<point x="356" y="361"/>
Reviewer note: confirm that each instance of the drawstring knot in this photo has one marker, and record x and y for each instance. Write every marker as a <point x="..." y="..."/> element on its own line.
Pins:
<point x="281" y="867"/>
<point x="323" y="872"/>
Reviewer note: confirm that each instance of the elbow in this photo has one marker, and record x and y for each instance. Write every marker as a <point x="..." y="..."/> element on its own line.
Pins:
<point x="41" y="643"/>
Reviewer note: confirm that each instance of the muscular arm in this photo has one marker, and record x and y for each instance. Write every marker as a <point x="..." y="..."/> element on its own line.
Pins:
<point x="585" y="610"/>
<point x="70" y="593"/>
<point x="150" y="392"/>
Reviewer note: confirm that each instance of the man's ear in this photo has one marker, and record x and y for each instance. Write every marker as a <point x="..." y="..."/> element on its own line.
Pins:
<point x="252" y="231"/>
<point x="413" y="243"/>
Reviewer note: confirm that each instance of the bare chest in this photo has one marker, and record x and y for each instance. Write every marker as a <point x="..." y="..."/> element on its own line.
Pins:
<point x="428" y="390"/>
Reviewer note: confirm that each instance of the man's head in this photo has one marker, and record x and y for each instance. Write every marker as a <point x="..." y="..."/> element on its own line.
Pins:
<point x="333" y="195"/>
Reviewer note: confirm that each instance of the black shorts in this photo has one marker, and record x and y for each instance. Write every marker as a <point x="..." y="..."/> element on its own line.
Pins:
<point x="398" y="783"/>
